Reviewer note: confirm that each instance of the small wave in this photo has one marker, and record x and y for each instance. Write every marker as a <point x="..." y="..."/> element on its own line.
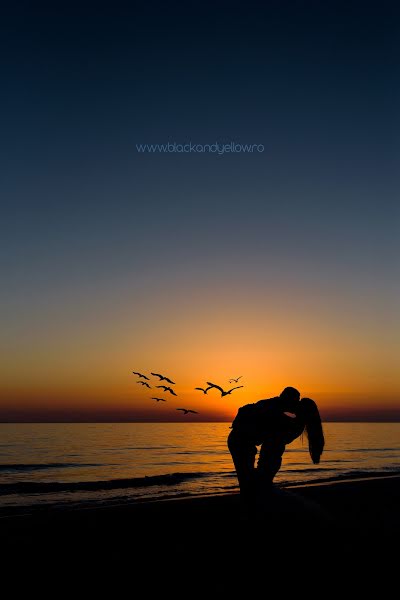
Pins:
<point x="33" y="487"/>
<point x="43" y="466"/>
<point x="344" y="477"/>
<point x="369" y="450"/>
<point x="307" y="470"/>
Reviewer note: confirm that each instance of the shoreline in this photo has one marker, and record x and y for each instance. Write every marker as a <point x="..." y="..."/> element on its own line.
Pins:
<point x="49" y="487"/>
<point x="325" y="493"/>
<point x="65" y="508"/>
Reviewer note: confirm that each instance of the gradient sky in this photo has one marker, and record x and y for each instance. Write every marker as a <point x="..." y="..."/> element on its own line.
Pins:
<point x="281" y="266"/>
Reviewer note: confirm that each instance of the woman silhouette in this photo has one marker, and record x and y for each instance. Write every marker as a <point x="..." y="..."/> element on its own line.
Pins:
<point x="271" y="423"/>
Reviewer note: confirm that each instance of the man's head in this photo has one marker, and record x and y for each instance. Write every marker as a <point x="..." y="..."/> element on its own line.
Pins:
<point x="290" y="397"/>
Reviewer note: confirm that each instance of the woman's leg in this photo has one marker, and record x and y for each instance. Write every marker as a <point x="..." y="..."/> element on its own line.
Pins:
<point x="269" y="462"/>
<point x="243" y="455"/>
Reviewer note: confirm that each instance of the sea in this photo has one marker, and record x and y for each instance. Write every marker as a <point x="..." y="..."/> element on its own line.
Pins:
<point x="61" y="466"/>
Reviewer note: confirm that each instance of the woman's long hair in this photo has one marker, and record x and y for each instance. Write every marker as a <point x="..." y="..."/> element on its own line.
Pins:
<point x="313" y="429"/>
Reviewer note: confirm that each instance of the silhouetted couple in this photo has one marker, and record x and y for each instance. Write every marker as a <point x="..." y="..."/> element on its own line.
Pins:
<point x="271" y="424"/>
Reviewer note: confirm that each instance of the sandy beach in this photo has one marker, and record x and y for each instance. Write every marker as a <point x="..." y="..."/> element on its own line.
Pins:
<point x="329" y="528"/>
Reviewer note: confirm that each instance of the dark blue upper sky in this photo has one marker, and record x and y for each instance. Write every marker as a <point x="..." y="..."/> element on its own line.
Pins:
<point x="316" y="83"/>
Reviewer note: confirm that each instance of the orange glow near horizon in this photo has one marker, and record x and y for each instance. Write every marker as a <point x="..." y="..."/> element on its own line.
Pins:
<point x="85" y="372"/>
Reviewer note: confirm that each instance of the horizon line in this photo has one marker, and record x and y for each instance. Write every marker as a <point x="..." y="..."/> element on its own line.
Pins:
<point x="175" y="421"/>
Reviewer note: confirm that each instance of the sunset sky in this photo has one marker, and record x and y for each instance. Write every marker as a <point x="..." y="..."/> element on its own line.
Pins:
<point x="281" y="266"/>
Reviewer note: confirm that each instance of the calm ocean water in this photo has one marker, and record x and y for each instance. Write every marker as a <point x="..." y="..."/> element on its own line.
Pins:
<point x="90" y="464"/>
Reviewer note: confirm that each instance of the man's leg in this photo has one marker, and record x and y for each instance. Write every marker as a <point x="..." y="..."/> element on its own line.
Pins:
<point x="243" y="455"/>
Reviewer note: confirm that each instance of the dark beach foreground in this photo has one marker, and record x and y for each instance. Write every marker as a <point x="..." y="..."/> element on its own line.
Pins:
<point x="337" y="530"/>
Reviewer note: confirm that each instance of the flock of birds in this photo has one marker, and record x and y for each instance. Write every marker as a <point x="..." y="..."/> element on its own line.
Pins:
<point x="170" y="390"/>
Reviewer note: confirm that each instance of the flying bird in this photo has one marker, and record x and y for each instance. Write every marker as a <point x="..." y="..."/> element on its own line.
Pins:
<point x="167" y="389"/>
<point x="140" y="375"/>
<point x="144" y="383"/>
<point x="162" y="378"/>
<point x="204" y="390"/>
<point x="233" y="380"/>
<point x="159" y="399"/>
<point x="187" y="410"/>
<point x="223" y="392"/>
